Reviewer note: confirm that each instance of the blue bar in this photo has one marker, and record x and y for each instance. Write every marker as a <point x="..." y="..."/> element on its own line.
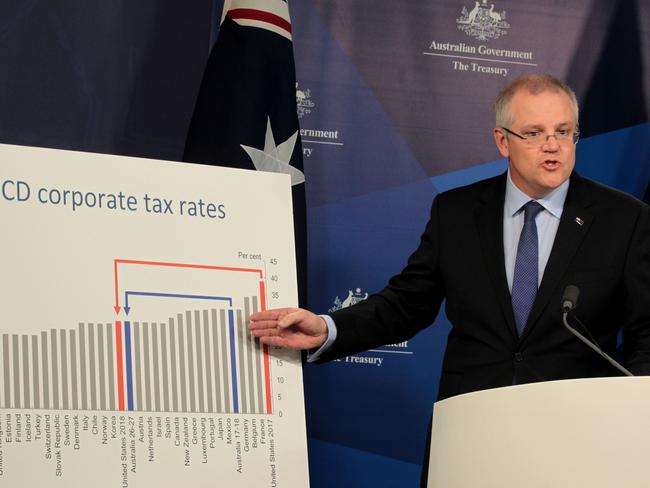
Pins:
<point x="233" y="360"/>
<point x="129" y="369"/>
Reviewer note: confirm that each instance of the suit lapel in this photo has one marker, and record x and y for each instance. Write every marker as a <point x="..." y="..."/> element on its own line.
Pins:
<point x="574" y="225"/>
<point x="489" y="216"/>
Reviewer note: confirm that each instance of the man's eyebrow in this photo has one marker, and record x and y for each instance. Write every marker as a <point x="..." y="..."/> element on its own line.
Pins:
<point x="532" y="127"/>
<point x="540" y="127"/>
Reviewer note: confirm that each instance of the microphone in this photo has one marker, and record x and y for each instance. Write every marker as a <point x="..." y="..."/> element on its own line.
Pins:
<point x="569" y="302"/>
<point x="570" y="298"/>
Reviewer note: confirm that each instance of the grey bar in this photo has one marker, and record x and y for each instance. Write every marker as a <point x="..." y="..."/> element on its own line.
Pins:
<point x="156" y="369"/>
<point x="208" y="369"/>
<point x="258" y="367"/>
<point x="199" y="361"/>
<point x="155" y="378"/>
<point x="111" y="368"/>
<point x="92" y="372"/>
<point x="16" y="361"/>
<point x="73" y="369"/>
<point x="138" y="404"/>
<point x="181" y="360"/>
<point x="26" y="388"/>
<point x="172" y="363"/>
<point x="223" y="324"/>
<point x="217" y="370"/>
<point x="250" y="347"/>
<point x="5" y="366"/>
<point x="64" y="369"/>
<point x="46" y="379"/>
<point x="82" y="366"/>
<point x="243" y="383"/>
<point x="147" y="368"/>
<point x="55" y="371"/>
<point x="190" y="359"/>
<point x="37" y="389"/>
<point x="164" y="364"/>
<point x="102" y="367"/>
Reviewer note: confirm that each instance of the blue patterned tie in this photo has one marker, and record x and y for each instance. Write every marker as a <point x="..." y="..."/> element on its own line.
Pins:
<point x="524" y="283"/>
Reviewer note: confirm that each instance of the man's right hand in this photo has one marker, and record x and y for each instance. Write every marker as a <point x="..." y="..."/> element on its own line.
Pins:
<point x="293" y="328"/>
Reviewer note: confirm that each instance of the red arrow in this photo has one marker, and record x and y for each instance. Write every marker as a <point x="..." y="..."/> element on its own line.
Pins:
<point x="117" y="293"/>
<point x="116" y="262"/>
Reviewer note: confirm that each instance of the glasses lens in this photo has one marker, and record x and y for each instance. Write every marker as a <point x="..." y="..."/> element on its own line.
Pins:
<point x="561" y="136"/>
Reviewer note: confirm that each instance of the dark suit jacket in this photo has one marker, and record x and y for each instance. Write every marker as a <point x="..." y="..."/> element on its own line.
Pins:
<point x="602" y="246"/>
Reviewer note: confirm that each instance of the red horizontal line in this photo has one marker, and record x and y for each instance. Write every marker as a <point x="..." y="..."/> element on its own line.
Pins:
<point x="253" y="14"/>
<point x="185" y="265"/>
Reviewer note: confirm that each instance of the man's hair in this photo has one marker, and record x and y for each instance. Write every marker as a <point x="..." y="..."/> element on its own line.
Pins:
<point x="534" y="84"/>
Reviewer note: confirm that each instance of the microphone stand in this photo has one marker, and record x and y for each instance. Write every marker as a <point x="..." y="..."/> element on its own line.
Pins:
<point x="593" y="346"/>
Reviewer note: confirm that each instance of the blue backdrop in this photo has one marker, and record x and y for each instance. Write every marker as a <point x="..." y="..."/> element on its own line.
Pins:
<point x="395" y="105"/>
<point x="408" y="87"/>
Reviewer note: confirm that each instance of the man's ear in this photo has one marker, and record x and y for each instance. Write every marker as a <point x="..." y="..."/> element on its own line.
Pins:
<point x="501" y="141"/>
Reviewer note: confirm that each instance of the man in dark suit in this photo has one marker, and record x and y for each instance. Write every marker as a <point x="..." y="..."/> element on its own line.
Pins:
<point x="501" y="252"/>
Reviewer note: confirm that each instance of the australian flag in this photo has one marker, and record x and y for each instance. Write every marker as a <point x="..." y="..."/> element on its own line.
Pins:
<point x="245" y="114"/>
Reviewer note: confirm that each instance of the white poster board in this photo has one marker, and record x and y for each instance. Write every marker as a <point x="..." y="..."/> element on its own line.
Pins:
<point x="124" y="356"/>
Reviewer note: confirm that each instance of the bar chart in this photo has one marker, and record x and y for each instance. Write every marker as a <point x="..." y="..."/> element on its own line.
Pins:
<point x="201" y="361"/>
<point x="125" y="358"/>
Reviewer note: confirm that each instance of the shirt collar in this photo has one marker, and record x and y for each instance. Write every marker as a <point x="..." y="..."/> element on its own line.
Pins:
<point x="516" y="199"/>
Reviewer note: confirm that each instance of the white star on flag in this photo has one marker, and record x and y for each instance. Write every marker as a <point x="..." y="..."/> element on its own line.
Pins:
<point x="275" y="159"/>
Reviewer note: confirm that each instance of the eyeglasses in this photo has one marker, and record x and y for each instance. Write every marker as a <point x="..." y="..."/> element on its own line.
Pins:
<point x="539" y="138"/>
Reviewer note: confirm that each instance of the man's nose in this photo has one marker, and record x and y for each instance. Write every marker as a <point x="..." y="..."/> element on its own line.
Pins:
<point x="551" y="143"/>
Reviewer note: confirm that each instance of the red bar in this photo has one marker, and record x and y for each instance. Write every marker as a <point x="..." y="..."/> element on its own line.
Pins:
<point x="120" y="365"/>
<point x="263" y="295"/>
<point x="267" y="381"/>
<point x="267" y="359"/>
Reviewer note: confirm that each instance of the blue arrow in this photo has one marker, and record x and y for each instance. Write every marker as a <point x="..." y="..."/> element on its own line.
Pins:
<point x="169" y="295"/>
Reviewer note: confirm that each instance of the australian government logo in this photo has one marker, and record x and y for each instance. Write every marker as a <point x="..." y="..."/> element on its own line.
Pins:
<point x="353" y="298"/>
<point x="374" y="357"/>
<point x="313" y="137"/>
<point x="304" y="102"/>
<point x="484" y="23"/>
